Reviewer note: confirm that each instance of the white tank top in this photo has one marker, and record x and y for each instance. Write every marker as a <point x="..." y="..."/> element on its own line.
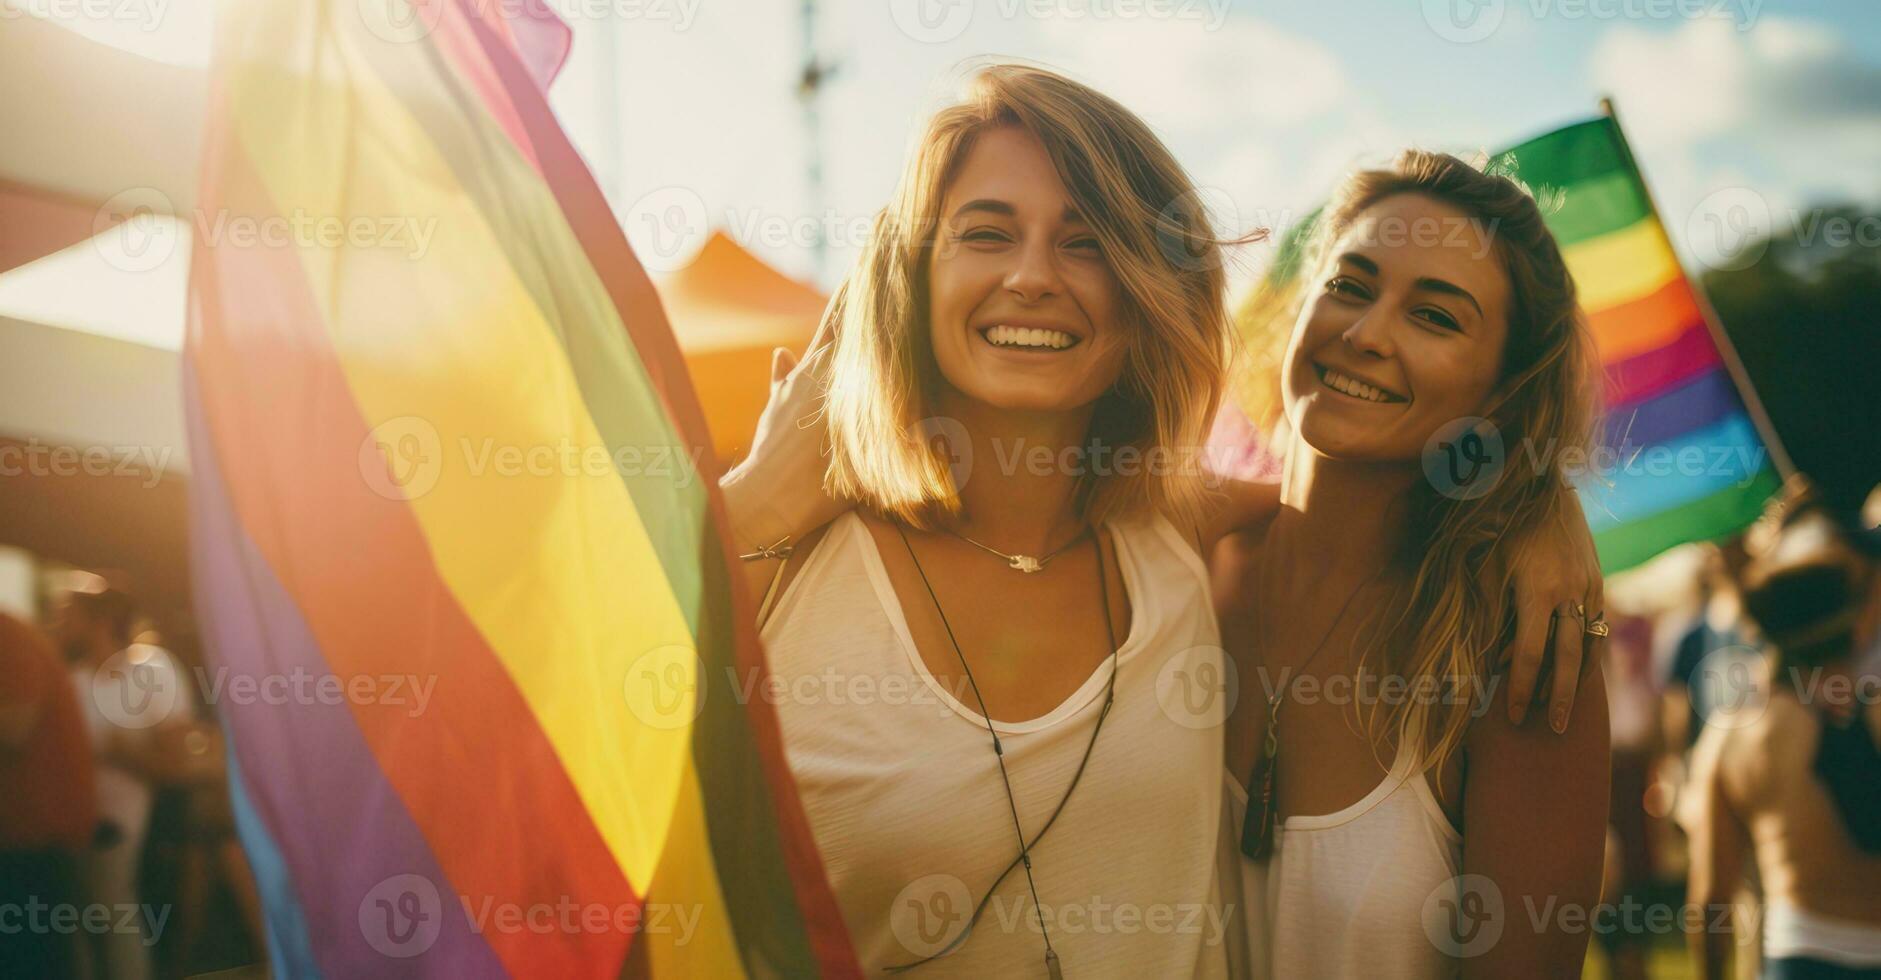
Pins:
<point x="1361" y="894"/>
<point x="902" y="790"/>
<point x="1793" y="932"/>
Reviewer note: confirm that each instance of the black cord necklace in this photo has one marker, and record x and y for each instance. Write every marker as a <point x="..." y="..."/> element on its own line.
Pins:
<point x="1052" y="967"/>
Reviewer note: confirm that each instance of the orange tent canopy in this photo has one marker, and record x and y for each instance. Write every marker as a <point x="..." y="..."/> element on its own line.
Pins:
<point x="729" y="309"/>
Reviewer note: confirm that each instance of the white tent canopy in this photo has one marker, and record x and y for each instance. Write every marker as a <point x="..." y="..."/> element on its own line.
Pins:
<point x="90" y="120"/>
<point x="91" y="331"/>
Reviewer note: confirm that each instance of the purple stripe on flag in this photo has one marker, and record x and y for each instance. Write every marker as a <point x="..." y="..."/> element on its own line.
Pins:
<point x="289" y="952"/>
<point x="1699" y="402"/>
<point x="341" y="831"/>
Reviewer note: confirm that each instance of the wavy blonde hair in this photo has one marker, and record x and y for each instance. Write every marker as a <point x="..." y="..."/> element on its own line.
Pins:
<point x="1149" y="221"/>
<point x="1452" y="621"/>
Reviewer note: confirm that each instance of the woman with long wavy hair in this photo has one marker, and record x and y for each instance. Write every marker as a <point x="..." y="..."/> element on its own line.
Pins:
<point x="1393" y="823"/>
<point x="979" y="528"/>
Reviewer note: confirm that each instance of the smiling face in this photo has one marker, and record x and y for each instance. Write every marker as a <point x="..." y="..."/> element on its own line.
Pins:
<point x="1024" y="310"/>
<point x="1402" y="331"/>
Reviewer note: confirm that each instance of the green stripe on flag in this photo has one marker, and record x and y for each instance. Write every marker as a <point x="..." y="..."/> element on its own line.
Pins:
<point x="1705" y="519"/>
<point x="1581" y="177"/>
<point x="1591" y="208"/>
<point x="1292" y="252"/>
<point x="1579" y="152"/>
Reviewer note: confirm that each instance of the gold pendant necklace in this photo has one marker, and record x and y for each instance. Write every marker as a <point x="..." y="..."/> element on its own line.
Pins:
<point x="1024" y="563"/>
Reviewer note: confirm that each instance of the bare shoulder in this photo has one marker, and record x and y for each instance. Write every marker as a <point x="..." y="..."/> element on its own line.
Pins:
<point x="1237" y="505"/>
<point x="1764" y="746"/>
<point x="1232" y="564"/>
<point x="1231" y="561"/>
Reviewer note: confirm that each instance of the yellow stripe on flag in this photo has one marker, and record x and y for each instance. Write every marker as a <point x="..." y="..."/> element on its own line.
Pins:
<point x="1621" y="266"/>
<point x="445" y="353"/>
<point x="685" y="890"/>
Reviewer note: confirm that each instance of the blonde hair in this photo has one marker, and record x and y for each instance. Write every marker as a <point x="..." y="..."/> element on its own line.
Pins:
<point x="1451" y="624"/>
<point x="1150" y="224"/>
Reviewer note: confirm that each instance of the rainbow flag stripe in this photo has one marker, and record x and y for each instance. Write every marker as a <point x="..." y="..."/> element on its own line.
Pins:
<point x="454" y="506"/>
<point x="1680" y="458"/>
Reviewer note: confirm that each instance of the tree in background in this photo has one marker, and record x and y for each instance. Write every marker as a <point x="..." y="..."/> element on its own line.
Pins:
<point x="1806" y="318"/>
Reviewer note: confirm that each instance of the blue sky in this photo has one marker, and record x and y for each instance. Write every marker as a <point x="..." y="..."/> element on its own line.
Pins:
<point x="686" y="107"/>
<point x="1743" y="113"/>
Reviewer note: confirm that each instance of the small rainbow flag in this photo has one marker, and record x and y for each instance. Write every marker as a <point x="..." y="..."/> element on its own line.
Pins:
<point x="1680" y="458"/>
<point x="455" y="531"/>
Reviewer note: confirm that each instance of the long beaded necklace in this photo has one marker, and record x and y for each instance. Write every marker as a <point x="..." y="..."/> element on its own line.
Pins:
<point x="1054" y="970"/>
<point x="1257" y="828"/>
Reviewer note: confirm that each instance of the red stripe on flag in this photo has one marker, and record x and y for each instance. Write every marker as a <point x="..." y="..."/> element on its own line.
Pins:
<point x="1638" y="378"/>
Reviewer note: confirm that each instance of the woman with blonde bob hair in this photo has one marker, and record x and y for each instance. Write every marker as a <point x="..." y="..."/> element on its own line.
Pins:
<point x="1172" y="331"/>
<point x="1393" y="813"/>
<point x="982" y="557"/>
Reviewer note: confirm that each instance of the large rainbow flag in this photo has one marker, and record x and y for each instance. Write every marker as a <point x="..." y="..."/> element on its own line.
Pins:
<point x="455" y="531"/>
<point x="1682" y="460"/>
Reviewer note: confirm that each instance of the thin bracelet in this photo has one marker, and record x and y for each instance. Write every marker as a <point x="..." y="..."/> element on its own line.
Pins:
<point x="781" y="548"/>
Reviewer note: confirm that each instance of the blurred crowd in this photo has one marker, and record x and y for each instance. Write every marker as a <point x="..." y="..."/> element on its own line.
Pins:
<point x="1746" y="825"/>
<point x="117" y="849"/>
<point x="1746" y="708"/>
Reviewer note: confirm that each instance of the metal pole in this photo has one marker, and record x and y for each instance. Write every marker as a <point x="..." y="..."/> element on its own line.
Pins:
<point x="1727" y="351"/>
<point x="809" y="92"/>
<point x="613" y="162"/>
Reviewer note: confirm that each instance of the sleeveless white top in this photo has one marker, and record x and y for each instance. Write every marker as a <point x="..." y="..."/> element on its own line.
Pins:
<point x="1793" y="932"/>
<point x="1366" y="893"/>
<point x="902" y="790"/>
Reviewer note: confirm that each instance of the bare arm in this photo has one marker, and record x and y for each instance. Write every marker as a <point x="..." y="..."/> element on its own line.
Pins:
<point x="22" y="682"/>
<point x="1675" y="715"/>
<point x="1534" y="829"/>
<point x="18" y="719"/>
<point x="776" y="494"/>
<point x="1719" y="843"/>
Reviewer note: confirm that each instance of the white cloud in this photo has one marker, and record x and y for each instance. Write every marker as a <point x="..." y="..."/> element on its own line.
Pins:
<point x="1680" y="86"/>
<point x="1181" y="75"/>
<point x="1262" y="118"/>
<point x="1787" y="109"/>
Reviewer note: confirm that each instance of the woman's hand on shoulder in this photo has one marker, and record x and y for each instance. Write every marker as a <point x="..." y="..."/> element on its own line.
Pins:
<point x="776" y="491"/>
<point x="776" y="495"/>
<point x="1553" y="571"/>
